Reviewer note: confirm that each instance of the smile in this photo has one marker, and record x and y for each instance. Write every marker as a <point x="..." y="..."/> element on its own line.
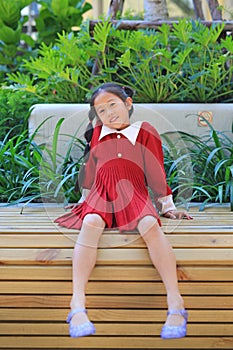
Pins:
<point x="113" y="119"/>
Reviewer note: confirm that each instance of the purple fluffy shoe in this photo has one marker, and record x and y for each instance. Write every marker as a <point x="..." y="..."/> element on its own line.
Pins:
<point x="171" y="332"/>
<point x="81" y="330"/>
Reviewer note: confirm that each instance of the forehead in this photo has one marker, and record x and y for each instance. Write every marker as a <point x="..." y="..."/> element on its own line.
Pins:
<point x="105" y="97"/>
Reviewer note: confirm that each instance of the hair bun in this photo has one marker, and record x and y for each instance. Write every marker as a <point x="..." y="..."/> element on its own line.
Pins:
<point x="128" y="90"/>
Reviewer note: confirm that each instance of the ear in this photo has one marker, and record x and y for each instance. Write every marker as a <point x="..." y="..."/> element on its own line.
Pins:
<point x="128" y="103"/>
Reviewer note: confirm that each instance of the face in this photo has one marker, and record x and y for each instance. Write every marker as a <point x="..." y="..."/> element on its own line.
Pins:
<point x="112" y="111"/>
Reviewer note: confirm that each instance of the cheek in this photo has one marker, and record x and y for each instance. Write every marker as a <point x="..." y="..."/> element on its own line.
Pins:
<point x="103" y="119"/>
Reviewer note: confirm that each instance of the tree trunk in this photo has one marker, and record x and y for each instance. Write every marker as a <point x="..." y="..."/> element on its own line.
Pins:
<point x="155" y="10"/>
<point x="198" y="9"/>
<point x="115" y="6"/>
<point x="215" y="13"/>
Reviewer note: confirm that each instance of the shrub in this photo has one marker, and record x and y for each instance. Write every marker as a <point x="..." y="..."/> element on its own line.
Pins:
<point x="14" y="111"/>
<point x="189" y="63"/>
<point x="36" y="173"/>
<point x="204" y="165"/>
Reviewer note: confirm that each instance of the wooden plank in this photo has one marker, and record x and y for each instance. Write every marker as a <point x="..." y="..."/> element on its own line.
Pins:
<point x="116" y="301"/>
<point x="203" y="217"/>
<point x="111" y="288"/>
<point x="12" y="220"/>
<point x="57" y="207"/>
<point x="117" y="329"/>
<point x="52" y="229"/>
<point x="113" y="315"/>
<point x="115" y="256"/>
<point x="115" y="273"/>
<point x="113" y="240"/>
<point x="95" y="342"/>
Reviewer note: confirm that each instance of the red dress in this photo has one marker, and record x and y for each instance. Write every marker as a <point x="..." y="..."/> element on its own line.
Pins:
<point x="118" y="173"/>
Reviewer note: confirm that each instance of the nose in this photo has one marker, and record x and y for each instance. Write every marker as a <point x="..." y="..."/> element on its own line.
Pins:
<point x="110" y="112"/>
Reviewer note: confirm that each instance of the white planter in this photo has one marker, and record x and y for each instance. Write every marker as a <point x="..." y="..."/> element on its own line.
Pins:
<point x="165" y="117"/>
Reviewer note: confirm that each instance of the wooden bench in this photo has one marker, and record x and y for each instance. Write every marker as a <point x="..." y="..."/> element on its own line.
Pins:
<point x="125" y="296"/>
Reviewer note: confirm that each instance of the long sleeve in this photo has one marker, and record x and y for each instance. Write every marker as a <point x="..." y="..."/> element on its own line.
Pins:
<point x="154" y="169"/>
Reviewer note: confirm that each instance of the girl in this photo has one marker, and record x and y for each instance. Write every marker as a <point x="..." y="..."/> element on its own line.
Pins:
<point x="124" y="160"/>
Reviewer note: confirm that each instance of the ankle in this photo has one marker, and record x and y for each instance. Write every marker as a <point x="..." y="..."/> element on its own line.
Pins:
<point x="77" y="302"/>
<point x="175" y="302"/>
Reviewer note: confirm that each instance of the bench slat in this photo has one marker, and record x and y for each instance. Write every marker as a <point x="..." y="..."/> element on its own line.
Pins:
<point x="118" y="329"/>
<point x="124" y="288"/>
<point x="116" y="301"/>
<point x="114" y="240"/>
<point x="111" y="342"/>
<point x="115" y="273"/>
<point x="113" y="315"/>
<point x="115" y="256"/>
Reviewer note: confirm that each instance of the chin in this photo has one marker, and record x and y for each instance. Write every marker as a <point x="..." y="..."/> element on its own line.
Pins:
<point x="120" y="126"/>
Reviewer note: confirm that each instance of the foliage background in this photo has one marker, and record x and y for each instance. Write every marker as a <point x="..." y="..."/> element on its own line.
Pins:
<point x="189" y="63"/>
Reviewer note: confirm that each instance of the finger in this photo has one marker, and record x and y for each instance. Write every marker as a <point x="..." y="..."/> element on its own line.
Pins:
<point x="170" y="216"/>
<point x="187" y="216"/>
<point x="70" y="206"/>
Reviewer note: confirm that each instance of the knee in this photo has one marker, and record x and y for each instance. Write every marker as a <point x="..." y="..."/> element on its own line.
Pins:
<point x="93" y="221"/>
<point x="148" y="227"/>
<point x="91" y="231"/>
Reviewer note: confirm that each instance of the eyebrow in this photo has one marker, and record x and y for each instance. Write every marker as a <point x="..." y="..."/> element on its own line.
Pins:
<point x="103" y="104"/>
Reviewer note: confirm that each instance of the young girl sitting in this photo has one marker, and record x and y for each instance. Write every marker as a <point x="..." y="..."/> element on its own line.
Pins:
<point x="123" y="160"/>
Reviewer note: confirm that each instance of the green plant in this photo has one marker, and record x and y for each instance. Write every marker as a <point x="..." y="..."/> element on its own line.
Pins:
<point x="60" y="73"/>
<point x="207" y="71"/>
<point x="11" y="24"/>
<point x="147" y="67"/>
<point x="31" y="172"/>
<point x="59" y="15"/>
<point x="189" y="63"/>
<point x="14" y="111"/>
<point x="205" y="164"/>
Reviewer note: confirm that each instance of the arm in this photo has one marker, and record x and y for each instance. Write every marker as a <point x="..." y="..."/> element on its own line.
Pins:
<point x="156" y="176"/>
<point x="85" y="193"/>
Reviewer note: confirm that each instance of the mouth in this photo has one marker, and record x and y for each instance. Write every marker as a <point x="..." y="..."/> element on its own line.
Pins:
<point x="113" y="119"/>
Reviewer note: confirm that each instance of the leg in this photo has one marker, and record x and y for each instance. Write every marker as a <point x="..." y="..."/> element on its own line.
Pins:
<point x="84" y="259"/>
<point x="163" y="258"/>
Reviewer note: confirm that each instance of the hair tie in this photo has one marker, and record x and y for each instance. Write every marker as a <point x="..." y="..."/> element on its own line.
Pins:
<point x="128" y="91"/>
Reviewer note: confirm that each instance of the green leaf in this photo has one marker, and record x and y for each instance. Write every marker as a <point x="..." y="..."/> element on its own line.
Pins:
<point x="125" y="59"/>
<point x="9" y="35"/>
<point x="60" y="7"/>
<point x="227" y="43"/>
<point x="55" y="143"/>
<point x="229" y="173"/>
<point x="10" y="13"/>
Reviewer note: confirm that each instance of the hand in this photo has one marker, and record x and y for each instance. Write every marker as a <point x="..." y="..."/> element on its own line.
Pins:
<point x="71" y="206"/>
<point x="176" y="214"/>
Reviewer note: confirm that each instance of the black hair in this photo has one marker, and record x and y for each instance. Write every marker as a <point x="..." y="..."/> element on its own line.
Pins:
<point x="123" y="92"/>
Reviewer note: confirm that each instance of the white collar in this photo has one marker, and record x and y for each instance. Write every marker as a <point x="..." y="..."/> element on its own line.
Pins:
<point x="131" y="132"/>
